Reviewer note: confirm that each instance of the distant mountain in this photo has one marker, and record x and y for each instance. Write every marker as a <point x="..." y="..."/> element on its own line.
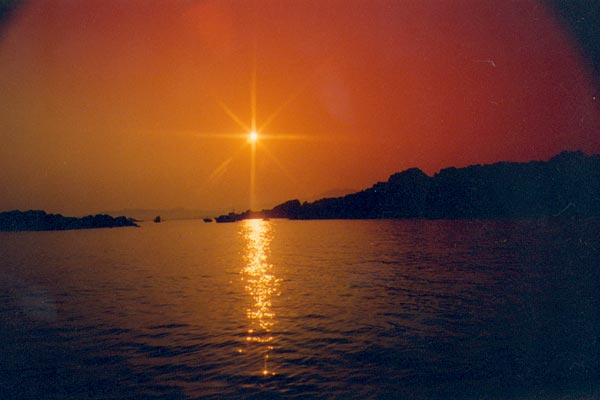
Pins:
<point x="332" y="193"/>
<point x="41" y="221"/>
<point x="567" y="184"/>
<point x="142" y="214"/>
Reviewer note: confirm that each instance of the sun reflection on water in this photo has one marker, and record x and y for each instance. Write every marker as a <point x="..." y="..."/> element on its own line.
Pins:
<point x="262" y="285"/>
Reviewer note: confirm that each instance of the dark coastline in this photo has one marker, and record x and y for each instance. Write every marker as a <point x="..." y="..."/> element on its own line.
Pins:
<point x="37" y="220"/>
<point x="568" y="185"/>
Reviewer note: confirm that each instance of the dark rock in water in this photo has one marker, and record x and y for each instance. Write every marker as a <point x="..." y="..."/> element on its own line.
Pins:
<point x="231" y="217"/>
<point x="41" y="221"/>
<point x="157" y="219"/>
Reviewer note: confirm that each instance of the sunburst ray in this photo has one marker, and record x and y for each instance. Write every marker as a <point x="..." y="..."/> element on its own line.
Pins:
<point x="222" y="168"/>
<point x="233" y="116"/>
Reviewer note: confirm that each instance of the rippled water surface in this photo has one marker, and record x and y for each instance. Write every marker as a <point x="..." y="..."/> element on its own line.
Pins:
<point x="303" y="309"/>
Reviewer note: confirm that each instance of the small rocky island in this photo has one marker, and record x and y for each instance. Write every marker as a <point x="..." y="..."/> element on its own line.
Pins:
<point x="37" y="220"/>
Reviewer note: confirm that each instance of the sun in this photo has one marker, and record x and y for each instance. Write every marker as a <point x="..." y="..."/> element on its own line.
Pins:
<point x="252" y="137"/>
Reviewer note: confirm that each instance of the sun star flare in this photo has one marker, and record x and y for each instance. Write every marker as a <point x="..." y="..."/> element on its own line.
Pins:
<point x="252" y="137"/>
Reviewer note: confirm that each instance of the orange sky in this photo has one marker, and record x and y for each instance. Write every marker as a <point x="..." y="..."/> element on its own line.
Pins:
<point x="115" y="104"/>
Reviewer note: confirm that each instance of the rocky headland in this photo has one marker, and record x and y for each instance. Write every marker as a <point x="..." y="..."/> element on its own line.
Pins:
<point x="566" y="185"/>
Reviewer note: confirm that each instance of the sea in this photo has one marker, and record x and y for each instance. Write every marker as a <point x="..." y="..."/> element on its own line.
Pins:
<point x="279" y="309"/>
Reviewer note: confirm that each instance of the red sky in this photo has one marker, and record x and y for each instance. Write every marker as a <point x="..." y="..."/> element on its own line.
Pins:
<point x="115" y="104"/>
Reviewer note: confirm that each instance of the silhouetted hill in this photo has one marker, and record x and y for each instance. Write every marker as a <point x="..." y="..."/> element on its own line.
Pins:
<point x="41" y="221"/>
<point x="331" y="193"/>
<point x="567" y="184"/>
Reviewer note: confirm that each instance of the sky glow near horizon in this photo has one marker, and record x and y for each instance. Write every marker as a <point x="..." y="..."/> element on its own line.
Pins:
<point x="112" y="104"/>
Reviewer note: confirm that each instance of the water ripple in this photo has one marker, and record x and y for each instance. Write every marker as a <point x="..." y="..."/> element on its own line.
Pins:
<point x="306" y="309"/>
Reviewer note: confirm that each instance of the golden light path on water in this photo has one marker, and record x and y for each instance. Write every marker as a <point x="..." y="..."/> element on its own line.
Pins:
<point x="261" y="284"/>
